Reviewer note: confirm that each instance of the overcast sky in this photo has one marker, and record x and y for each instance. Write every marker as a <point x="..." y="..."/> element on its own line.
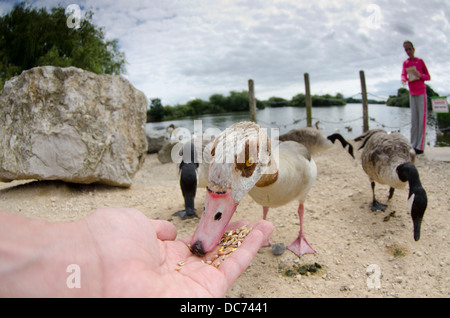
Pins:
<point x="178" y="50"/>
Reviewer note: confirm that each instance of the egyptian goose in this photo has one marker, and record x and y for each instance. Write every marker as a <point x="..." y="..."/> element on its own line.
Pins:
<point x="242" y="162"/>
<point x="389" y="159"/>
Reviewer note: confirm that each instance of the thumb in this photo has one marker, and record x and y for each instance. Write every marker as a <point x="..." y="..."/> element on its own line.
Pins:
<point x="165" y="231"/>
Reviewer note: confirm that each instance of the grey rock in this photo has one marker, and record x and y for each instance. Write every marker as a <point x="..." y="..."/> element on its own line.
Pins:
<point x="165" y="153"/>
<point x="278" y="249"/>
<point x="72" y="125"/>
<point x="155" y="140"/>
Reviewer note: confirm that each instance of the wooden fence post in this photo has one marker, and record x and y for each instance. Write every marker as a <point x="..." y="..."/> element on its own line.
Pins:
<point x="252" y="100"/>
<point x="308" y="101"/>
<point x="364" y="102"/>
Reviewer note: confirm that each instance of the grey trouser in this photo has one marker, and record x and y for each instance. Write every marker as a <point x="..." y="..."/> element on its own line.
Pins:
<point x="418" y="105"/>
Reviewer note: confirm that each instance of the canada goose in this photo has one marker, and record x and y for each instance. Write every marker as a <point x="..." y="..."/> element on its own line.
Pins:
<point x="313" y="139"/>
<point x="193" y="174"/>
<point x="188" y="181"/>
<point x="252" y="167"/>
<point x="389" y="159"/>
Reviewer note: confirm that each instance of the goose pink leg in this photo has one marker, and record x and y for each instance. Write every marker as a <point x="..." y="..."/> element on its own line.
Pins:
<point x="300" y="245"/>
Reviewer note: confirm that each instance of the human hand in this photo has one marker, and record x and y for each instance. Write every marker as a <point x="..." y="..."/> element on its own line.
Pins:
<point x="119" y="253"/>
<point x="145" y="254"/>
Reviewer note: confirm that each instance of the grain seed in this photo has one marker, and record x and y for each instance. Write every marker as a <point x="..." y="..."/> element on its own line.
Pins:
<point x="230" y="241"/>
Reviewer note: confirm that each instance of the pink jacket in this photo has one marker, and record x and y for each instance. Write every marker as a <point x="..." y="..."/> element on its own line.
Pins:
<point x="416" y="87"/>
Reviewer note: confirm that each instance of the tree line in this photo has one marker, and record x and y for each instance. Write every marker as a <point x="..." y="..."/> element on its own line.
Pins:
<point x="239" y="101"/>
<point x="402" y="97"/>
<point x="402" y="100"/>
<point x="234" y="102"/>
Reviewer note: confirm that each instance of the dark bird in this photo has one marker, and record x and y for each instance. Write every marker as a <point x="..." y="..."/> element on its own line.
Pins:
<point x="193" y="172"/>
<point x="314" y="141"/>
<point x="389" y="159"/>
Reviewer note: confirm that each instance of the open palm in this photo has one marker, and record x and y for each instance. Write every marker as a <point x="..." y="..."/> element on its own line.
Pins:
<point x="140" y="257"/>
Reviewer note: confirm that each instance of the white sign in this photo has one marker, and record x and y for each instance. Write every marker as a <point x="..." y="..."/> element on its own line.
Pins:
<point x="439" y="105"/>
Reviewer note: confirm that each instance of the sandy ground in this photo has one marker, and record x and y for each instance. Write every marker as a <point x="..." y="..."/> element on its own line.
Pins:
<point x="361" y="253"/>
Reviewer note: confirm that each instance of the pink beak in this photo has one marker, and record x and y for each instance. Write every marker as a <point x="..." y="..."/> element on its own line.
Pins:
<point x="219" y="208"/>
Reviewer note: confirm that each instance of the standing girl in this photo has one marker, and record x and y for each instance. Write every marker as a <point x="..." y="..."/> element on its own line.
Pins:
<point x="415" y="73"/>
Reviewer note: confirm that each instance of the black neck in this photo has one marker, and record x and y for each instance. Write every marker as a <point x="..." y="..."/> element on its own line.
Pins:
<point x="344" y="142"/>
<point x="408" y="172"/>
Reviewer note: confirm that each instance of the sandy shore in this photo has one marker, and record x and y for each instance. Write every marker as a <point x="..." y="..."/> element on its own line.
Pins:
<point x="360" y="253"/>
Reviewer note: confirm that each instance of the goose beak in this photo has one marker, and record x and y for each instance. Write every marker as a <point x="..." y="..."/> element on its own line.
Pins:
<point x="219" y="208"/>
<point x="418" y="207"/>
<point x="417" y="223"/>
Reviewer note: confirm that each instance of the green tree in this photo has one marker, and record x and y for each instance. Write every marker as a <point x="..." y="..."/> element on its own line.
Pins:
<point x="218" y="100"/>
<point x="32" y="37"/>
<point x="237" y="101"/>
<point x="298" y="100"/>
<point x="402" y="97"/>
<point x="156" y="111"/>
<point x="199" y="106"/>
<point x="328" y="100"/>
<point x="277" y="102"/>
<point x="430" y="93"/>
<point x="260" y="104"/>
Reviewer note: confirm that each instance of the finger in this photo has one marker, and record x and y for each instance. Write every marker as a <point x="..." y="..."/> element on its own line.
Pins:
<point x="165" y="231"/>
<point x="239" y="260"/>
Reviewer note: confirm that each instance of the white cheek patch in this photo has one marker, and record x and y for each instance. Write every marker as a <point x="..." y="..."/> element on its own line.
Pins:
<point x="410" y="201"/>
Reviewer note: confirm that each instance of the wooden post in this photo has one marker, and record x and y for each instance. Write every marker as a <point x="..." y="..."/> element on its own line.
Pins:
<point x="364" y="102"/>
<point x="252" y="100"/>
<point x="308" y="101"/>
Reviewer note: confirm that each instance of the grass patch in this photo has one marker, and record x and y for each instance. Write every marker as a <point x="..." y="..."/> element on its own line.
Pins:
<point x="398" y="251"/>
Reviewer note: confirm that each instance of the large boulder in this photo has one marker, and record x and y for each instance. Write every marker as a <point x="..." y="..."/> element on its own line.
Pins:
<point x="72" y="125"/>
<point x="155" y="140"/>
<point x="165" y="153"/>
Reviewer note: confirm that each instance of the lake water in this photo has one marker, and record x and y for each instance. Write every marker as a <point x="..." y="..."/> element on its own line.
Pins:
<point x="347" y="120"/>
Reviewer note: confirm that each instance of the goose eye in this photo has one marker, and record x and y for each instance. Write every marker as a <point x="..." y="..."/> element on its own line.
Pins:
<point x="250" y="161"/>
